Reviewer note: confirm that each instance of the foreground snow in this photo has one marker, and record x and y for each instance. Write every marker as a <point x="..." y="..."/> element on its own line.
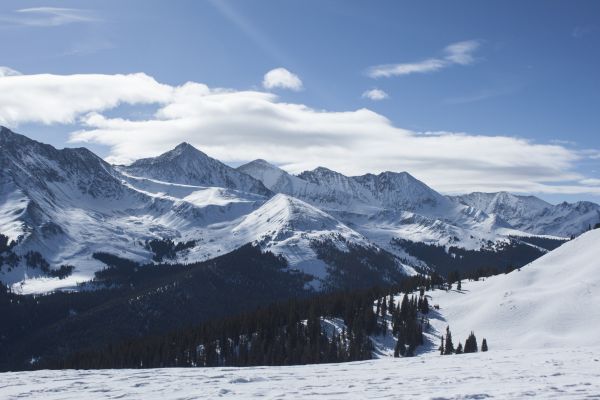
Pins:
<point x="564" y="373"/>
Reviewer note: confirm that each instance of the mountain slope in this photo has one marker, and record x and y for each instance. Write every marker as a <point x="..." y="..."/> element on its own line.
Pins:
<point x="551" y="302"/>
<point x="187" y="165"/>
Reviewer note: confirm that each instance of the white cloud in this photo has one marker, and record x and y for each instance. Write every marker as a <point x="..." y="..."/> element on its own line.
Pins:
<point x="455" y="54"/>
<point x="461" y="52"/>
<point x="282" y="78"/>
<point x="48" y="99"/>
<point x="237" y="126"/>
<point x="375" y="94"/>
<point x="48" y="16"/>
<point x="6" y="71"/>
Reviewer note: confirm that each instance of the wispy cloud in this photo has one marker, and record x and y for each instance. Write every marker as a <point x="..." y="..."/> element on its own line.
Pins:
<point x="460" y="53"/>
<point x="482" y="95"/>
<point x="375" y="95"/>
<point x="48" y="16"/>
<point x="283" y="79"/>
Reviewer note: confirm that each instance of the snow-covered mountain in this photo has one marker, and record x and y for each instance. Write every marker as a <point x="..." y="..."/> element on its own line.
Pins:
<point x="189" y="166"/>
<point x="386" y="206"/>
<point x="68" y="204"/>
<point x="533" y="215"/>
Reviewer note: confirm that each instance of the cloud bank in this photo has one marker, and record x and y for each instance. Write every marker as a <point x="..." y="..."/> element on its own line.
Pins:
<point x="460" y="53"/>
<point x="238" y="126"/>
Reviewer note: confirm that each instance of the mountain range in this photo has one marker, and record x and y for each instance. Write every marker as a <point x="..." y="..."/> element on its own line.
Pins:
<point x="63" y="206"/>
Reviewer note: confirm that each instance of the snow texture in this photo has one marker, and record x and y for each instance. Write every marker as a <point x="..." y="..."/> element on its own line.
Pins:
<point x="546" y="374"/>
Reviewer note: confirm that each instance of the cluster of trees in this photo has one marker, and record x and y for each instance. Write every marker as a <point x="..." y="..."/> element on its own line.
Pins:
<point x="495" y="258"/>
<point x="167" y="248"/>
<point x="5" y="243"/>
<point x="7" y="256"/>
<point x="405" y="324"/>
<point x="34" y="259"/>
<point x="358" y="266"/>
<point x="297" y="331"/>
<point x="447" y="345"/>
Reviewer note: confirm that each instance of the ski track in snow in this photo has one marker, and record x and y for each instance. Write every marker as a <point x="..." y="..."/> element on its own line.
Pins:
<point x="564" y="373"/>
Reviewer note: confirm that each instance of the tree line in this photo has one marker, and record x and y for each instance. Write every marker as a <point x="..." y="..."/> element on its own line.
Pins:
<point x="284" y="333"/>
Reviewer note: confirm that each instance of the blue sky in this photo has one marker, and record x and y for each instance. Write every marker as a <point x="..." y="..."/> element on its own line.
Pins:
<point x="529" y="73"/>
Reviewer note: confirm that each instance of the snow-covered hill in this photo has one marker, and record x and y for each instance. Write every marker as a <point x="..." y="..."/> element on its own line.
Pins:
<point x="551" y="302"/>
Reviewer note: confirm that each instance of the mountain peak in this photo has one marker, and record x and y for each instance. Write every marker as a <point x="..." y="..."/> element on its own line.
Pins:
<point x="270" y="175"/>
<point x="183" y="146"/>
<point x="187" y="165"/>
<point x="259" y="162"/>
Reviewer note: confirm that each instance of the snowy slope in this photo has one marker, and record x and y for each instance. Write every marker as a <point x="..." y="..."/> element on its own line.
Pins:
<point x="547" y="374"/>
<point x="551" y="302"/>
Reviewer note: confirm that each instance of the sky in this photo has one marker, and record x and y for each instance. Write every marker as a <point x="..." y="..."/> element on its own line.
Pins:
<point x="464" y="95"/>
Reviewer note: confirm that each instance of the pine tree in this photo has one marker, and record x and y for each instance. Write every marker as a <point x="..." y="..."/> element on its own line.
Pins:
<point x="425" y="306"/>
<point x="484" y="346"/>
<point x="384" y="307"/>
<point x="442" y="345"/>
<point x="471" y="344"/>
<point x="459" y="349"/>
<point x="449" y="349"/>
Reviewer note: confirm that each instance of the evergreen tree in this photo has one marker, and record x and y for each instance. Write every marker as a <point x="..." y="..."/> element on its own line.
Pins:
<point x="449" y="349"/>
<point x="397" y="349"/>
<point x="459" y="349"/>
<point x="441" y="349"/>
<point x="471" y="344"/>
<point x="484" y="346"/>
<point x="384" y="307"/>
